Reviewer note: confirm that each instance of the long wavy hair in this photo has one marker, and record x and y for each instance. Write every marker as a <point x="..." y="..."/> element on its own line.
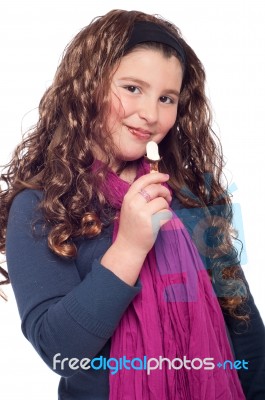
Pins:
<point x="56" y="155"/>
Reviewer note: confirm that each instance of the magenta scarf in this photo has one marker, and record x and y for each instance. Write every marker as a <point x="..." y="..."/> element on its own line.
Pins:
<point x="175" y="316"/>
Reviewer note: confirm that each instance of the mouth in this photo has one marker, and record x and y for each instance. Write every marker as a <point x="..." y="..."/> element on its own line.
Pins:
<point x="139" y="133"/>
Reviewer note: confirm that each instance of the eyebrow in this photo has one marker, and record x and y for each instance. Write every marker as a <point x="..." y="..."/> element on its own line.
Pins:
<point x="145" y="84"/>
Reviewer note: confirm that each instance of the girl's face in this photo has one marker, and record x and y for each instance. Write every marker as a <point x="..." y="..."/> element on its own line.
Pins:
<point x="144" y="101"/>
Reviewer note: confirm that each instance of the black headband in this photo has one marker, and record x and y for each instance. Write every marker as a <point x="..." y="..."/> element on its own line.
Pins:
<point x="145" y="31"/>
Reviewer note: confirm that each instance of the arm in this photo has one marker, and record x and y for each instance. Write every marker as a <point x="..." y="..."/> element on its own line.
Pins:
<point x="248" y="341"/>
<point x="59" y="312"/>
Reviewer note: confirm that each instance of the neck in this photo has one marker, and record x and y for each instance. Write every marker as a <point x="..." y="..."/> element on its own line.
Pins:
<point x="127" y="171"/>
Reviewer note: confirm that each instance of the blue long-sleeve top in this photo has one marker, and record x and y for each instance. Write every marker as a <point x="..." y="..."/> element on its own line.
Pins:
<point x="72" y="307"/>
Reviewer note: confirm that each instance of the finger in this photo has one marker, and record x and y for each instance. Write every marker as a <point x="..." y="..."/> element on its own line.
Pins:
<point x="157" y="190"/>
<point x="148" y="179"/>
<point x="156" y="205"/>
<point x="144" y="193"/>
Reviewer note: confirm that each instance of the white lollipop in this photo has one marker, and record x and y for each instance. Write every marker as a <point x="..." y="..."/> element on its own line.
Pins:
<point x="152" y="155"/>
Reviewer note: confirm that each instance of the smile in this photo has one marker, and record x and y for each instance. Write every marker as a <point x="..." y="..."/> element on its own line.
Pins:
<point x="139" y="133"/>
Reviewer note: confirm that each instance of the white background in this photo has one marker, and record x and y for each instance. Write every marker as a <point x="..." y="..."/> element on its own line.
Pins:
<point x="227" y="35"/>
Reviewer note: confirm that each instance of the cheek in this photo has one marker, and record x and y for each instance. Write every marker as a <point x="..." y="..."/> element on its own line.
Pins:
<point x="126" y="107"/>
<point x="169" y="120"/>
<point x="116" y="110"/>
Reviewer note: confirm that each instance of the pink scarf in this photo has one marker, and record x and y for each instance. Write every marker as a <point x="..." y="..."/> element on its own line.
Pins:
<point x="175" y="316"/>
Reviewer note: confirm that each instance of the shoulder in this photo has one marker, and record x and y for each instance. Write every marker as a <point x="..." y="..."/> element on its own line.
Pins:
<point x="27" y="197"/>
<point x="25" y="204"/>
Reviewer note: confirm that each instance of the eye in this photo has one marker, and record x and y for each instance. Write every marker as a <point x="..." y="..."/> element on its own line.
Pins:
<point x="132" y="89"/>
<point x="166" y="100"/>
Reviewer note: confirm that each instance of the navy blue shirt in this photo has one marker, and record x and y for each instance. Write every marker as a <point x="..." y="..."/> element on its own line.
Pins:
<point x="71" y="308"/>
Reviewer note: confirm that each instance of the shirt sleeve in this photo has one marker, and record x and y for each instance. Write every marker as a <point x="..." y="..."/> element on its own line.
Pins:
<point x="248" y="342"/>
<point x="247" y="338"/>
<point x="60" y="313"/>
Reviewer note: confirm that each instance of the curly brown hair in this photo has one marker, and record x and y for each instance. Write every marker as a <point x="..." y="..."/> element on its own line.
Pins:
<point x="57" y="154"/>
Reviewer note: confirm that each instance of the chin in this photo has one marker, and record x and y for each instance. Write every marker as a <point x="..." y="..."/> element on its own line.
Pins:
<point x="131" y="158"/>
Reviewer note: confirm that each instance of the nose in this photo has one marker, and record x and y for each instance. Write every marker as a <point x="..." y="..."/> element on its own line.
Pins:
<point x="148" y="110"/>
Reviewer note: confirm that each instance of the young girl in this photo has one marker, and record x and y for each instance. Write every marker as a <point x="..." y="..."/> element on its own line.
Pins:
<point x="127" y="282"/>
